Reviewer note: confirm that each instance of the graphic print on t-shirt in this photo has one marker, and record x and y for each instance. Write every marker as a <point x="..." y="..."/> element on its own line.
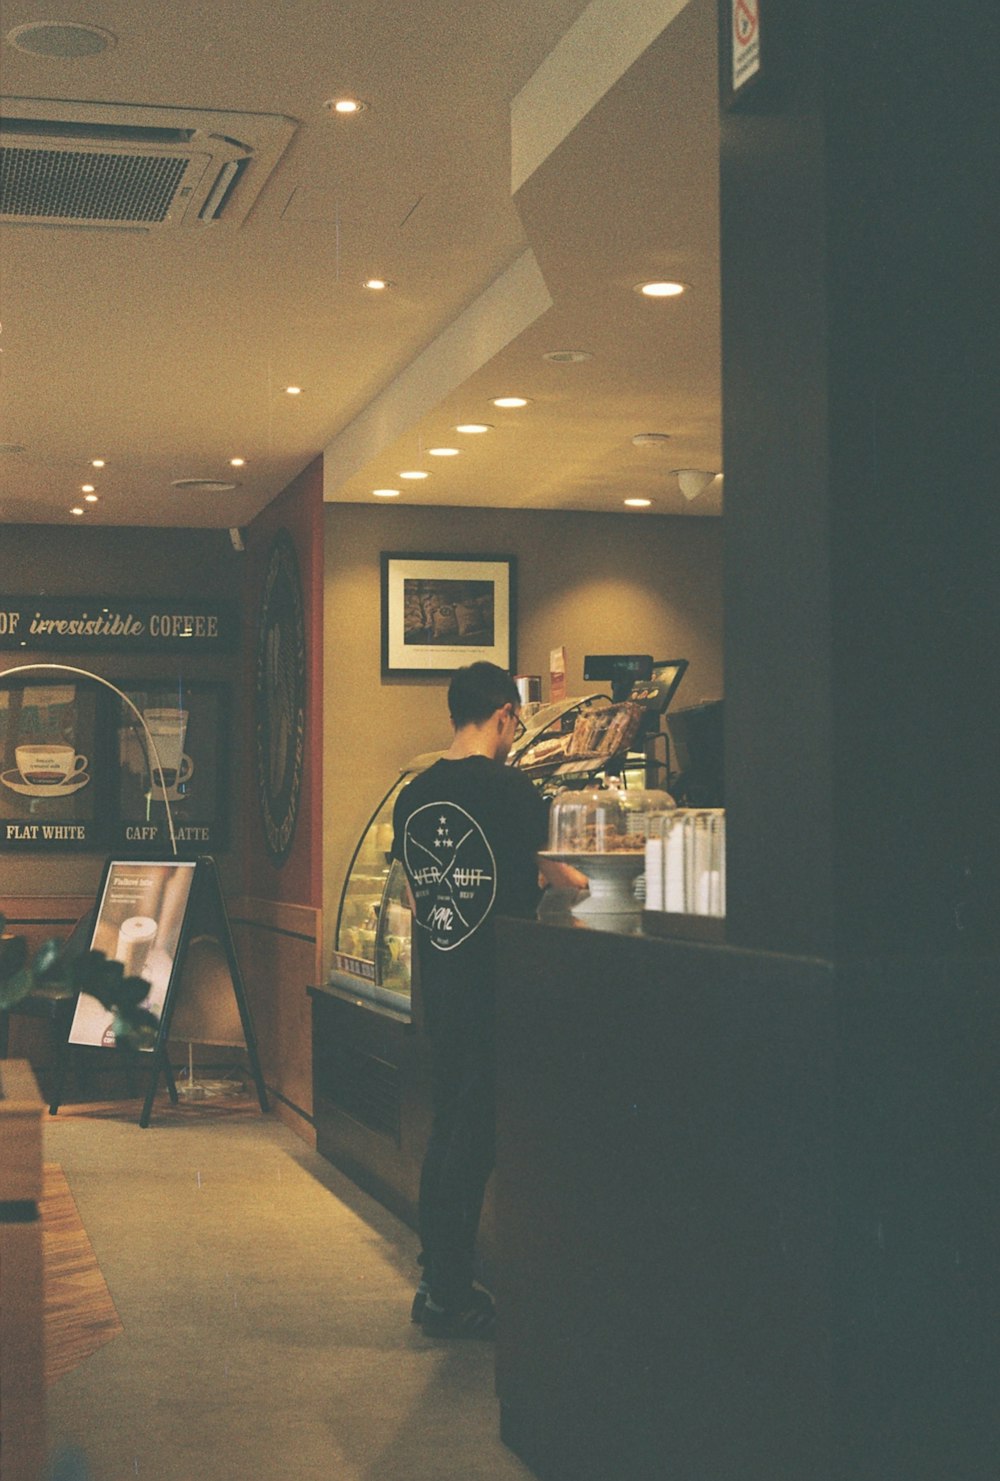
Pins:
<point x="452" y="872"/>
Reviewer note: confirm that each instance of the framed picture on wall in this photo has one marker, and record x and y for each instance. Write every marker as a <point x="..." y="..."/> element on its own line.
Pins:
<point x="442" y="612"/>
<point x="55" y="765"/>
<point x="182" y="765"/>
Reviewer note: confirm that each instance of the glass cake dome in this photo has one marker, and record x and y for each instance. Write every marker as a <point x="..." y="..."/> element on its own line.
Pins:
<point x="604" y="820"/>
<point x="603" y="832"/>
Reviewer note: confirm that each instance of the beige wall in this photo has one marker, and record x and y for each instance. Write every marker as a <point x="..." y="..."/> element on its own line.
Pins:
<point x="590" y="583"/>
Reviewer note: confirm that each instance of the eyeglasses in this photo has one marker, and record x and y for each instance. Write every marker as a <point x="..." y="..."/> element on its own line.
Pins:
<point x="519" y="727"/>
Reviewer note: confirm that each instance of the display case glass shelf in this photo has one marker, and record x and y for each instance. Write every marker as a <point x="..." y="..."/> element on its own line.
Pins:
<point x="372" y="945"/>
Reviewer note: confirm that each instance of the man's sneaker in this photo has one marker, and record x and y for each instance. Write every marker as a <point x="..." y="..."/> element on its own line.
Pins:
<point x="475" y="1318"/>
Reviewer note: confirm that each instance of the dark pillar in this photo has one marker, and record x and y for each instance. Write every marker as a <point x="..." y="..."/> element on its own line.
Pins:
<point x="858" y="270"/>
<point x="749" y="1212"/>
<point x="861" y="605"/>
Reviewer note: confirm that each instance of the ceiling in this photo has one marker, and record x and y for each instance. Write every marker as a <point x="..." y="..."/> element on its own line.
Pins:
<point x="167" y="352"/>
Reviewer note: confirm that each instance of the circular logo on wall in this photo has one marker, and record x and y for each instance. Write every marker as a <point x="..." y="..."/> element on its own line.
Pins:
<point x="280" y="697"/>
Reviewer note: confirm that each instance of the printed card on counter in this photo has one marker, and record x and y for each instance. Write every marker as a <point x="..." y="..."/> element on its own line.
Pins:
<point x="557" y="674"/>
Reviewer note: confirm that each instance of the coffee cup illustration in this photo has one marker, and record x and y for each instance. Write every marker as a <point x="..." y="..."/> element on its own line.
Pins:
<point x="44" y="765"/>
<point x="170" y="766"/>
<point x="135" y="937"/>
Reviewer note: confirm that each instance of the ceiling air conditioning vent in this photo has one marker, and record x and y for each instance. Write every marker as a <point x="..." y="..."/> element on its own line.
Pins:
<point x="110" y="165"/>
<point x="204" y="485"/>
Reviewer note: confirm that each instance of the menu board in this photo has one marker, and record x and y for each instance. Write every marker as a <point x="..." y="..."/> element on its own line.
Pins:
<point x="51" y="793"/>
<point x="148" y="772"/>
<point x="140" y="916"/>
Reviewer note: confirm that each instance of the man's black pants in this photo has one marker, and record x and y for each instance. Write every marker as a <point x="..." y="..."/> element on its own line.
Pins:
<point x="458" y="1161"/>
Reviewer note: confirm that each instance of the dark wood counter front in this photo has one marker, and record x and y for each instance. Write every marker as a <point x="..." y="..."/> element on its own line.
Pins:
<point x="747" y="1213"/>
<point x="662" y="1207"/>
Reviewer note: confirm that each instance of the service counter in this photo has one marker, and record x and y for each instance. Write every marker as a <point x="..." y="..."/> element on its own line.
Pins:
<point x="747" y="1211"/>
<point x="744" y="1221"/>
<point x="370" y="1096"/>
<point x="372" y="1102"/>
<point x="662" y="1206"/>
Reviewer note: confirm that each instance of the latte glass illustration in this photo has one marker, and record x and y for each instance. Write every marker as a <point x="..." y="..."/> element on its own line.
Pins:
<point x="168" y="729"/>
<point x="45" y="765"/>
<point x="135" y="937"/>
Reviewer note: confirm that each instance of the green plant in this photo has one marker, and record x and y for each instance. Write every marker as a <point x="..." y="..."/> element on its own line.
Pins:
<point x="54" y="972"/>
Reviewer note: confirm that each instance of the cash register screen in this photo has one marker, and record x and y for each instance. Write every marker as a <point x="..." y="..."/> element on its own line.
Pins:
<point x="658" y="689"/>
<point x="620" y="670"/>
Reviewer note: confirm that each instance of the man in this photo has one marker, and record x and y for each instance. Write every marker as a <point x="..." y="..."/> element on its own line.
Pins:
<point x="467" y="832"/>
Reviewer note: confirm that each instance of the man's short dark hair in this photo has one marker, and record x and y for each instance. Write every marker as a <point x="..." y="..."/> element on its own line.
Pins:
<point x="477" y="692"/>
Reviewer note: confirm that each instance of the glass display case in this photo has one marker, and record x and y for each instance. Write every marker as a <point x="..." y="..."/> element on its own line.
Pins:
<point x="573" y="741"/>
<point x="372" y="945"/>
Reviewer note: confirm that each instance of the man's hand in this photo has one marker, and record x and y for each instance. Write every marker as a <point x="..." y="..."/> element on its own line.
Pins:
<point x="562" y="876"/>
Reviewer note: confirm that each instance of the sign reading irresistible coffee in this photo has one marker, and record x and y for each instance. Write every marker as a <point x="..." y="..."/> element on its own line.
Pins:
<point x="93" y="624"/>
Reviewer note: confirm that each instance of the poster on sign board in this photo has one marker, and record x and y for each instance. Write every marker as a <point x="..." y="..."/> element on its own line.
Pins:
<point x="140" y="915"/>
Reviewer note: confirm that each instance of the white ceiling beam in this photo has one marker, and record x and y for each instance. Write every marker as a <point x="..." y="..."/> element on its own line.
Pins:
<point x="595" y="52"/>
<point x="504" y="310"/>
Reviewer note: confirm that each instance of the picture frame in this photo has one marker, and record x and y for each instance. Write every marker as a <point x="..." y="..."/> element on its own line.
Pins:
<point x="188" y="723"/>
<point x="442" y="612"/>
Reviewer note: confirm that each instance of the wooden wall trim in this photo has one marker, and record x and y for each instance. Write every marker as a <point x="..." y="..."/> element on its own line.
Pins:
<point x="276" y="915"/>
<point x="52" y="910"/>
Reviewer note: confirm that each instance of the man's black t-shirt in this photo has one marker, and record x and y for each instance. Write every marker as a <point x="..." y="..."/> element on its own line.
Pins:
<point x="466" y="832"/>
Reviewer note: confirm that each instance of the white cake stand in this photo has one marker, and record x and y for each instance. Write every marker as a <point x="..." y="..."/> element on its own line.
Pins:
<point x="612" y="881"/>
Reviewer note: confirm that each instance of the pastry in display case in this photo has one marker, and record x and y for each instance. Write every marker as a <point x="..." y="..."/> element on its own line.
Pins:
<point x="603" y="832"/>
<point x="571" y="742"/>
<point x="373" y="950"/>
<point x="574" y="739"/>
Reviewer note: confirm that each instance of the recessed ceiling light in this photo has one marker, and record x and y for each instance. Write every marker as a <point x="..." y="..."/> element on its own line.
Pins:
<point x="650" y="439"/>
<point x="386" y="493"/>
<point x="510" y="401"/>
<point x="443" y="452"/>
<point x="638" y="503"/>
<point x="660" y="289"/>
<point x="567" y="357"/>
<point x="90" y="498"/>
<point x="97" y="462"/>
<point x="77" y="509"/>
<point x="60" y="39"/>
<point x="377" y="285"/>
<point x="86" y="488"/>
<point x="344" y="106"/>
<point x="474" y="427"/>
<point x="237" y="462"/>
<point x="293" y="390"/>
<point x="414" y="473"/>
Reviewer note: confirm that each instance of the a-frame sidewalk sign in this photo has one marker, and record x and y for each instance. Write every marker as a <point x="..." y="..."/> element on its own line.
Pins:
<point x="147" y="914"/>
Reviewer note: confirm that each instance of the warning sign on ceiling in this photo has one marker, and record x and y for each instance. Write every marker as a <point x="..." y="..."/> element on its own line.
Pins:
<point x="746" y="41"/>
